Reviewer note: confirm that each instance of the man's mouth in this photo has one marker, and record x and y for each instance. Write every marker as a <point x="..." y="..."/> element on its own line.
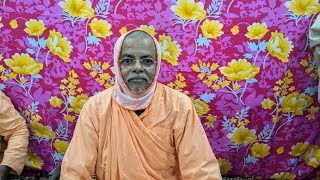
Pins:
<point x="137" y="80"/>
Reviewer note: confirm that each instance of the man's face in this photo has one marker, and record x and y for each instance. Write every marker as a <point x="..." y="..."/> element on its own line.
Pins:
<point x="138" y="63"/>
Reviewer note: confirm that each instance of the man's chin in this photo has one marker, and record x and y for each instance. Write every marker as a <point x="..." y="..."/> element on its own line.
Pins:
<point x="138" y="88"/>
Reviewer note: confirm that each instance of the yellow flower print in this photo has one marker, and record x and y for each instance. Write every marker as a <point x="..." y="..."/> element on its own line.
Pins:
<point x="1" y="25"/>
<point x="36" y="117"/>
<point x="239" y="70"/>
<point x="105" y="65"/>
<point x="77" y="103"/>
<point x="213" y="66"/>
<point x="279" y="46"/>
<point x="61" y="146"/>
<point x="200" y="106"/>
<point x="292" y="88"/>
<point x="100" y="28"/>
<point x="299" y="149"/>
<point x="207" y="82"/>
<point x="87" y="65"/>
<point x="224" y="83"/>
<point x="214" y="77"/>
<point x="257" y="31"/>
<point x="22" y="80"/>
<point x="13" y="23"/>
<point x="236" y="86"/>
<point x="42" y="131"/>
<point x="303" y="7"/>
<point x="260" y="150"/>
<point x="12" y="75"/>
<point x="2" y="68"/>
<point x="24" y="64"/>
<point x="189" y="10"/>
<point x="35" y="27"/>
<point x="205" y="66"/>
<point x="33" y="161"/>
<point x="276" y="118"/>
<point x="179" y="84"/>
<point x="241" y="123"/>
<point x="69" y="85"/>
<point x="296" y="103"/>
<point x="123" y="30"/>
<point x="312" y="111"/>
<point x="225" y="166"/>
<point x="309" y="69"/>
<point x="150" y="29"/>
<point x="170" y="50"/>
<point x="246" y="121"/>
<point x="59" y="45"/>
<point x="215" y="87"/>
<point x="3" y="78"/>
<point x="310" y="116"/>
<point x="233" y="120"/>
<point x="243" y="135"/>
<point x="280" y="150"/>
<point x="267" y="103"/>
<point x="211" y="119"/>
<point x="203" y="74"/>
<point x="77" y="8"/>
<point x="283" y="175"/>
<point x="235" y="30"/>
<point x="69" y="118"/>
<point x="312" y="156"/>
<point x="55" y="101"/>
<point x="304" y="63"/>
<point x="211" y="29"/>
<point x="195" y="67"/>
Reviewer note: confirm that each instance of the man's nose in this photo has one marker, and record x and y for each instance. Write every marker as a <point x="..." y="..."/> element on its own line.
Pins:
<point x="137" y="66"/>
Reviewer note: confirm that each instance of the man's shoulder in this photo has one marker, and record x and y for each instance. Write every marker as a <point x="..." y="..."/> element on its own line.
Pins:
<point x="174" y="95"/>
<point x="5" y="101"/>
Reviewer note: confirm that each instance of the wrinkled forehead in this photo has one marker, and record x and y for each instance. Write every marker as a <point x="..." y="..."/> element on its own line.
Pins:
<point x="138" y="46"/>
<point x="138" y="38"/>
<point x="138" y="42"/>
<point x="138" y="34"/>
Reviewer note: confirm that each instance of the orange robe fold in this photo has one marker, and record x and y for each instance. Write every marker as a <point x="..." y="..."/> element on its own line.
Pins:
<point x="166" y="141"/>
<point x="14" y="136"/>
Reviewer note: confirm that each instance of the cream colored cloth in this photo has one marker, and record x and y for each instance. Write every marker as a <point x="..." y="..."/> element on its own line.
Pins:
<point x="122" y="95"/>
<point x="314" y="35"/>
<point x="15" y="133"/>
<point x="167" y="141"/>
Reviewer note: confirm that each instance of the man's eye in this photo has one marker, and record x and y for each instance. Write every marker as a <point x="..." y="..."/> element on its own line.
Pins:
<point x="148" y="61"/>
<point x="127" y="61"/>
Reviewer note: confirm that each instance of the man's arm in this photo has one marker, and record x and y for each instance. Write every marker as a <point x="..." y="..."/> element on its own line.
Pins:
<point x="80" y="159"/>
<point x="314" y="36"/>
<point x="196" y="159"/>
<point x="14" y="129"/>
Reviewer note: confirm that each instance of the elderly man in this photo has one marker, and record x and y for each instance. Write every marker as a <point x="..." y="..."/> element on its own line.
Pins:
<point x="139" y="129"/>
<point x="14" y="139"/>
<point x="314" y="35"/>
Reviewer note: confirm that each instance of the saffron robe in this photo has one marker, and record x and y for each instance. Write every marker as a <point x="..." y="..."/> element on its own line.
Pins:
<point x="167" y="141"/>
<point x="14" y="136"/>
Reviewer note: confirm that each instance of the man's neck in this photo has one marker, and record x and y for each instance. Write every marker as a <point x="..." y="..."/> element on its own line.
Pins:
<point x="139" y="112"/>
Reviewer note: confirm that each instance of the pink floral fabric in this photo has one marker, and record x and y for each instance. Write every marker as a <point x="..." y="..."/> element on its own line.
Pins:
<point x="246" y="65"/>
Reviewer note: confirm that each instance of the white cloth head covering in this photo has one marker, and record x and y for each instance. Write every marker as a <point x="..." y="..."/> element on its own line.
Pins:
<point x="122" y="94"/>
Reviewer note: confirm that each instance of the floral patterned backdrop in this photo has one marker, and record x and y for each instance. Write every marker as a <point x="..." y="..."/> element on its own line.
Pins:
<point x="245" y="64"/>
